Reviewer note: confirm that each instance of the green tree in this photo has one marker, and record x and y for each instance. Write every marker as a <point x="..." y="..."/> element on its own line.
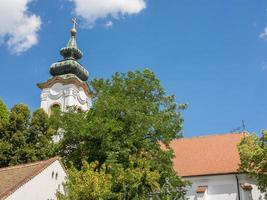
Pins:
<point x="4" y="115"/>
<point x="88" y="183"/>
<point x="253" y="155"/>
<point x="24" y="138"/>
<point x="40" y="135"/>
<point x="5" y="147"/>
<point x="130" y="115"/>
<point x="112" y="182"/>
<point x="136" y="180"/>
<point x="17" y="132"/>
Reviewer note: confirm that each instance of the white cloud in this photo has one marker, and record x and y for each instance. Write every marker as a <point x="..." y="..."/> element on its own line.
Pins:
<point x="18" y="27"/>
<point x="108" y="24"/>
<point x="263" y="35"/>
<point x="92" y="10"/>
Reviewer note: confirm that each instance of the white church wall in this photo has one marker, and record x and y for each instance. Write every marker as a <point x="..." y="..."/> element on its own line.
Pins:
<point x="43" y="186"/>
<point x="64" y="96"/>
<point x="254" y="193"/>
<point x="222" y="187"/>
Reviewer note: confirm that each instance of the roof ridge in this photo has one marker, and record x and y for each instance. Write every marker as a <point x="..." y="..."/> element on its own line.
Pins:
<point x="213" y="135"/>
<point x="28" y="164"/>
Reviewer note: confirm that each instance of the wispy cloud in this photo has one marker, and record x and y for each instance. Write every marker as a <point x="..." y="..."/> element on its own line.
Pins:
<point x="19" y="28"/>
<point x="93" y="10"/>
<point x="264" y="65"/>
<point x="263" y="35"/>
<point x="108" y="24"/>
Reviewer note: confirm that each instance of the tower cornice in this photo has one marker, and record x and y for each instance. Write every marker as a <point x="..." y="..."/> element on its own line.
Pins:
<point x="66" y="80"/>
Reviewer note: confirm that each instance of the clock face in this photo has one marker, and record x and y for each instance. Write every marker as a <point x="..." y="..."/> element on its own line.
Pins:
<point x="55" y="89"/>
<point x="82" y="94"/>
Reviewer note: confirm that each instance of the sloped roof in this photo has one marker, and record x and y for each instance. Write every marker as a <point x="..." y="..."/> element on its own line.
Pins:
<point x="207" y="155"/>
<point x="11" y="178"/>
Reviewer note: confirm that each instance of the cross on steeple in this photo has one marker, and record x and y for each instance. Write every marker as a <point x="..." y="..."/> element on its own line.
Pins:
<point x="74" y="22"/>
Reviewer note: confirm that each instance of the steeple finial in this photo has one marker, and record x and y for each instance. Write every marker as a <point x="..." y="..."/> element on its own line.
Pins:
<point x="74" y="23"/>
<point x="71" y="54"/>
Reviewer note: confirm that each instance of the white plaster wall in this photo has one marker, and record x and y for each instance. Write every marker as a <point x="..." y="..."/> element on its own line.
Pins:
<point x="64" y="95"/>
<point x="255" y="193"/>
<point x="42" y="186"/>
<point x="223" y="187"/>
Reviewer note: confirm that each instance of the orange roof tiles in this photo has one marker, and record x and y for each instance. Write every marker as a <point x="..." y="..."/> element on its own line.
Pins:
<point x="11" y="178"/>
<point x="207" y="155"/>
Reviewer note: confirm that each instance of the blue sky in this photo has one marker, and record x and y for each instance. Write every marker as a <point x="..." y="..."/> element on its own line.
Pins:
<point x="211" y="54"/>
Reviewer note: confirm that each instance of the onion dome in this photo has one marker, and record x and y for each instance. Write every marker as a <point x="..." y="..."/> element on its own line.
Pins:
<point x="71" y="54"/>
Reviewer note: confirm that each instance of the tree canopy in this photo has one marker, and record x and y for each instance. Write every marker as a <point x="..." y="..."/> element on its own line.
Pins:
<point x="3" y="116"/>
<point x="24" y="137"/>
<point x="131" y="117"/>
<point x="114" y="150"/>
<point x="253" y="155"/>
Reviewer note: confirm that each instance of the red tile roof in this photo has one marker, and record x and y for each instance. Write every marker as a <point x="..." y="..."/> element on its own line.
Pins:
<point x="11" y="178"/>
<point x="207" y="155"/>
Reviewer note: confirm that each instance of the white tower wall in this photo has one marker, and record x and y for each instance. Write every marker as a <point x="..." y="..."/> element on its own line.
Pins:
<point x="64" y="96"/>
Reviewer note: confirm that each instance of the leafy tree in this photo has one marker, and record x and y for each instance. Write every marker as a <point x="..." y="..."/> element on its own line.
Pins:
<point x="253" y="155"/>
<point x="4" y="115"/>
<point x="112" y="182"/>
<point x="137" y="180"/>
<point x="5" y="152"/>
<point x="19" y="120"/>
<point x="24" y="138"/>
<point x="87" y="184"/>
<point x="40" y="135"/>
<point x="130" y="115"/>
<point x="4" y="145"/>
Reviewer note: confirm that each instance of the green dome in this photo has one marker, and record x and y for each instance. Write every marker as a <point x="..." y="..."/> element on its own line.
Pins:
<point x="70" y="65"/>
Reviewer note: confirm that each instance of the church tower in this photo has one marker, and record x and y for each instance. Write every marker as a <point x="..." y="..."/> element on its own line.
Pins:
<point x="67" y="86"/>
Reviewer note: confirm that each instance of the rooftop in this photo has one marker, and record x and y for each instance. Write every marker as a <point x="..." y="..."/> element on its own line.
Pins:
<point x="207" y="155"/>
<point x="14" y="177"/>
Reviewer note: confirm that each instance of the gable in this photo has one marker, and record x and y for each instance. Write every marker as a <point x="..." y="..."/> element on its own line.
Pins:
<point x="14" y="177"/>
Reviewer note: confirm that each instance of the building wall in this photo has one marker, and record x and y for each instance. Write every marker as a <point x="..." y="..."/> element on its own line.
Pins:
<point x="43" y="186"/>
<point x="64" y="96"/>
<point x="222" y="187"/>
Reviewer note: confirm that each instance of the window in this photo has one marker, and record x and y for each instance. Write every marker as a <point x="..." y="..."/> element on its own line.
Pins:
<point x="55" y="108"/>
<point x="201" y="189"/>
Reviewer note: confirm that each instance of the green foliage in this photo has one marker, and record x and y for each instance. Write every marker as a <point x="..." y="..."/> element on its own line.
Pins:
<point x="4" y="115"/>
<point x="25" y="138"/>
<point x="87" y="184"/>
<point x="253" y="155"/>
<point x="40" y="135"/>
<point x="137" y="180"/>
<point x="112" y="182"/>
<point x="131" y="113"/>
<point x="17" y="134"/>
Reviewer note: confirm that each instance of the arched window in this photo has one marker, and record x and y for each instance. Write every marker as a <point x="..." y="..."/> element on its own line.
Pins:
<point x="55" y="108"/>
